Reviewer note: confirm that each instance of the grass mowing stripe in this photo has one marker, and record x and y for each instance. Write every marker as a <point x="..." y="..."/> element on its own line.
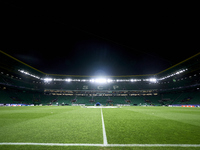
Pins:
<point x="105" y="142"/>
<point x="50" y="125"/>
<point x="102" y="145"/>
<point x="141" y="125"/>
<point x="83" y="126"/>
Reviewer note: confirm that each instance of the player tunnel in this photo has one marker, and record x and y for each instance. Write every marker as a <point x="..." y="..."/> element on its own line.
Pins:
<point x="98" y="104"/>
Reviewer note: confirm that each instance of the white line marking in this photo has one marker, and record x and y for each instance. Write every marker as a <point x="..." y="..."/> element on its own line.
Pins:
<point x="153" y="145"/>
<point x="102" y="107"/>
<point x="107" y="145"/>
<point x="54" y="144"/>
<point x="105" y="142"/>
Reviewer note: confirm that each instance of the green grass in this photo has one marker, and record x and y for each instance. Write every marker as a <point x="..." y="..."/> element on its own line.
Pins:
<point x="152" y="125"/>
<point x="19" y="147"/>
<point x="127" y="125"/>
<point x="50" y="125"/>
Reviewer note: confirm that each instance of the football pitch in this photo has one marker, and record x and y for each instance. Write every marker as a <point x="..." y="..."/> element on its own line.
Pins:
<point x="68" y="127"/>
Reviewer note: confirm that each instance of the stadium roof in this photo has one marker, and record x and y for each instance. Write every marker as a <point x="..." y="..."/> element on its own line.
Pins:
<point x="108" y="40"/>
<point x="13" y="64"/>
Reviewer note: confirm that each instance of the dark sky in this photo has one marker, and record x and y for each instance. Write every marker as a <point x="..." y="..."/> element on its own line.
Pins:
<point x="99" y="38"/>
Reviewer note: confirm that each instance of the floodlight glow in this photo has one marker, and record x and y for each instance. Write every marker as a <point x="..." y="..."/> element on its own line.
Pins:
<point x="68" y="80"/>
<point x="173" y="74"/>
<point x="109" y="80"/>
<point x="27" y="73"/>
<point x="92" y="80"/>
<point x="100" y="80"/>
<point x="134" y="80"/>
<point x="152" y="80"/>
<point x="47" y="79"/>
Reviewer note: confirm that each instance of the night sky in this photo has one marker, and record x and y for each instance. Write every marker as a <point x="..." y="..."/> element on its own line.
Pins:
<point x="99" y="38"/>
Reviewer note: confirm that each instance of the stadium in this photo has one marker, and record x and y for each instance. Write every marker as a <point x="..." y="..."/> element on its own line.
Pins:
<point x="22" y="84"/>
<point x="99" y="76"/>
<point x="63" y="101"/>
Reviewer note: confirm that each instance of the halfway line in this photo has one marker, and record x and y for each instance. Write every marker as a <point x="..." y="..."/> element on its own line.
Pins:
<point x="105" y="142"/>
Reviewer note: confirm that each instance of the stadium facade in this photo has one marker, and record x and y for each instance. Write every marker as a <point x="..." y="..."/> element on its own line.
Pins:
<point x="21" y="83"/>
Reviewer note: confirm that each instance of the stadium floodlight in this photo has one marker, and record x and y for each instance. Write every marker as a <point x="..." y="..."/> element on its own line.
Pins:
<point x="109" y="80"/>
<point x="173" y="74"/>
<point x="68" y="80"/>
<point x="100" y="80"/>
<point x="154" y="80"/>
<point x="29" y="74"/>
<point x="134" y="80"/>
<point x="22" y="71"/>
<point x="47" y="79"/>
<point x="92" y="80"/>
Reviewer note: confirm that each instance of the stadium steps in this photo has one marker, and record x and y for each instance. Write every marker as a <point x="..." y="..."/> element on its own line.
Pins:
<point x="5" y="97"/>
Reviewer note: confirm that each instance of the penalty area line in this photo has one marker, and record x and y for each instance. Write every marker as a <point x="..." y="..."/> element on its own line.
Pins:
<point x="103" y="145"/>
